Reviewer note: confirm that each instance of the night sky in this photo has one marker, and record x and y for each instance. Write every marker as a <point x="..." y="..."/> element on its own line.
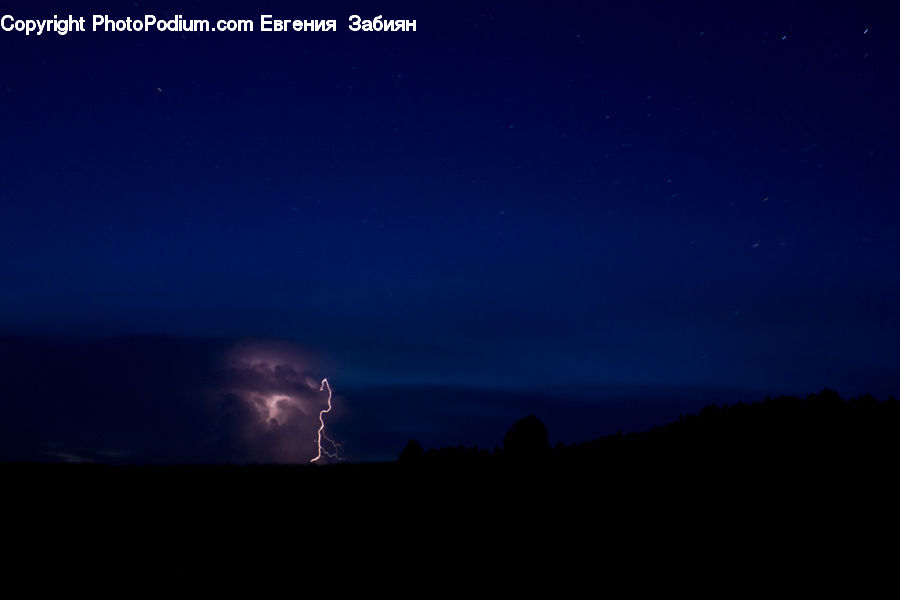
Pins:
<point x="603" y="213"/>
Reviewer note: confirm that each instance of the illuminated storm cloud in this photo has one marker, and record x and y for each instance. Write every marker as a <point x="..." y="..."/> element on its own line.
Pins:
<point x="275" y="403"/>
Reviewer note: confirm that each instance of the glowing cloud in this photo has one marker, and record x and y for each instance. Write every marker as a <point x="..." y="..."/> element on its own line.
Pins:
<point x="275" y="406"/>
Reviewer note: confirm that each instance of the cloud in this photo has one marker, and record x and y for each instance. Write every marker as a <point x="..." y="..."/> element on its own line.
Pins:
<point x="157" y="400"/>
<point x="272" y="402"/>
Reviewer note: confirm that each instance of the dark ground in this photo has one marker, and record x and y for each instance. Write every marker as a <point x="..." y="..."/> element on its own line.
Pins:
<point x="757" y="490"/>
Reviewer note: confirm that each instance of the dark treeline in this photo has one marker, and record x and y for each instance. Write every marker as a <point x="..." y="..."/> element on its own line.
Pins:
<point x="817" y="474"/>
<point x="784" y="436"/>
<point x="786" y="481"/>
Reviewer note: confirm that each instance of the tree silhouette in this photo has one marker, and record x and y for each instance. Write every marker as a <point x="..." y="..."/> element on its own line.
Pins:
<point x="527" y="440"/>
<point x="412" y="453"/>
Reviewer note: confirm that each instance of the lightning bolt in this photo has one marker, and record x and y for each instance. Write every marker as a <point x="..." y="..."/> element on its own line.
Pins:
<point x="321" y="433"/>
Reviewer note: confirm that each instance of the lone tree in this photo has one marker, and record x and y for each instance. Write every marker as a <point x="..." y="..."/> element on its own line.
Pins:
<point x="527" y="440"/>
<point x="413" y="454"/>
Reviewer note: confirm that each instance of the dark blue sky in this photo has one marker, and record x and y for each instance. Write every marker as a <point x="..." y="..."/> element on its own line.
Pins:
<point x="630" y="194"/>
